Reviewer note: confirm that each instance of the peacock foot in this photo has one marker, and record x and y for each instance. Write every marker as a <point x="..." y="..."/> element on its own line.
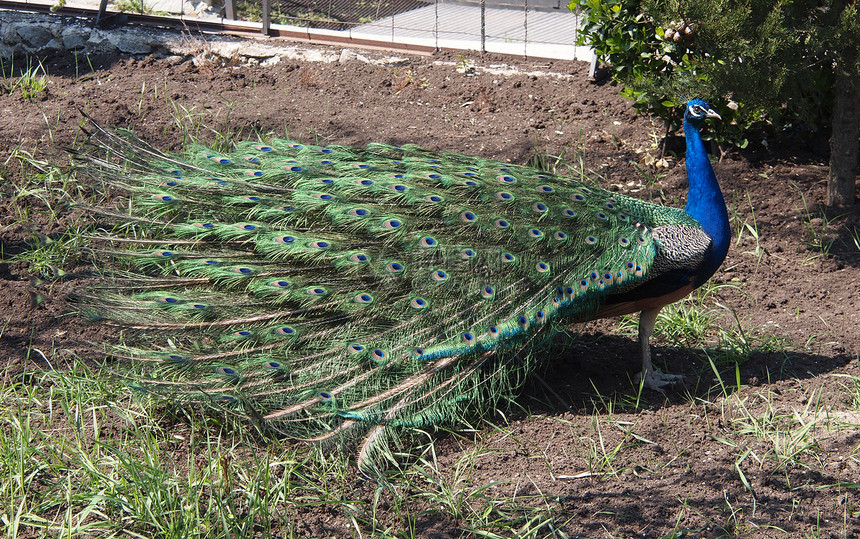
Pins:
<point x="658" y="381"/>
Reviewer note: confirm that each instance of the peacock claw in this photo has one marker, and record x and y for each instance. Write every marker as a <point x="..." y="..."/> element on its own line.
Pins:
<point x="659" y="381"/>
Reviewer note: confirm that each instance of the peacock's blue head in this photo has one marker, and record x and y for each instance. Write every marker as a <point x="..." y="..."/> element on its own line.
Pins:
<point x="697" y="111"/>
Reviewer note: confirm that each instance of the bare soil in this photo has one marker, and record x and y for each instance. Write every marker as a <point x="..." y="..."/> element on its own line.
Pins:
<point x="681" y="469"/>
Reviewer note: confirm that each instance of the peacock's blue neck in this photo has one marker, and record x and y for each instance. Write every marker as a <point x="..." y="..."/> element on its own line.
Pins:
<point x="705" y="201"/>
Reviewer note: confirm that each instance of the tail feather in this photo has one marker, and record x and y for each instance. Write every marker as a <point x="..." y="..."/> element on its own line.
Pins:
<point x="326" y="291"/>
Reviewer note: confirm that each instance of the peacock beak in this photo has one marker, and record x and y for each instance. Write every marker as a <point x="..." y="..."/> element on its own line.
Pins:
<point x="713" y="114"/>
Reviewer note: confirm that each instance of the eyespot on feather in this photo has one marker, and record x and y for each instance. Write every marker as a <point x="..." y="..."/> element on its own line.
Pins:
<point x="363" y="298"/>
<point x="523" y="322"/>
<point x="468" y="217"/>
<point x="227" y="371"/>
<point x="379" y="356"/>
<point x="488" y="292"/>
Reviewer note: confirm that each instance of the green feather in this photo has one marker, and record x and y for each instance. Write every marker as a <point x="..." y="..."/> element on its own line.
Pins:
<point x="331" y="290"/>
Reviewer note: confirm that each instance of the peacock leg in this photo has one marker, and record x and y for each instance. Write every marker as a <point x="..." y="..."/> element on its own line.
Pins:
<point x="654" y="379"/>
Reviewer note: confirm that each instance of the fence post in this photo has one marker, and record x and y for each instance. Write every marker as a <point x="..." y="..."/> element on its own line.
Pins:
<point x="266" y="21"/>
<point x="526" y="29"/>
<point x="483" y="26"/>
<point x="230" y="9"/>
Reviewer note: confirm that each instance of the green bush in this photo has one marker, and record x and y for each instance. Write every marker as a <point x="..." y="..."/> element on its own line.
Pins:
<point x="759" y="63"/>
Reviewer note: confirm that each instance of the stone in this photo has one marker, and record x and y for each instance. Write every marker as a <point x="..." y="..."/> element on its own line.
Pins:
<point x="75" y="37"/>
<point x="34" y="36"/>
<point x="129" y="43"/>
<point x="9" y="51"/>
<point x="99" y="42"/>
<point x="393" y="61"/>
<point x="9" y="33"/>
<point x="54" y="44"/>
<point x="256" y="50"/>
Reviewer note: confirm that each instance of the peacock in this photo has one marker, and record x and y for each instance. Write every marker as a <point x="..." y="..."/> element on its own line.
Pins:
<point x="329" y="292"/>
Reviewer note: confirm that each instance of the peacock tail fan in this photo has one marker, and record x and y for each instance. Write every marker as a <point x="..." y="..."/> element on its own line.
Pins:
<point x="329" y="292"/>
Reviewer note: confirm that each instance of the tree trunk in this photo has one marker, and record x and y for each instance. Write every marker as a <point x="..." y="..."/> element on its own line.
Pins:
<point x="844" y="141"/>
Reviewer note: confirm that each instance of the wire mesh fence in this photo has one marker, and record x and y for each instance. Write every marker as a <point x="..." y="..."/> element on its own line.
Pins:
<point x="534" y="28"/>
<point x="543" y="28"/>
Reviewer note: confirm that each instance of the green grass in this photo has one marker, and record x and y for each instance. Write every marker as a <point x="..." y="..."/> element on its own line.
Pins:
<point x="31" y="83"/>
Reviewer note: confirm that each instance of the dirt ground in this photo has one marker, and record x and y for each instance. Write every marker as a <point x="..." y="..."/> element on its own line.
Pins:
<point x="798" y="280"/>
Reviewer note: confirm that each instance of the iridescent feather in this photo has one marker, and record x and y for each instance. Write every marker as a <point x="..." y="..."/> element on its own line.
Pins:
<point x="322" y="291"/>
